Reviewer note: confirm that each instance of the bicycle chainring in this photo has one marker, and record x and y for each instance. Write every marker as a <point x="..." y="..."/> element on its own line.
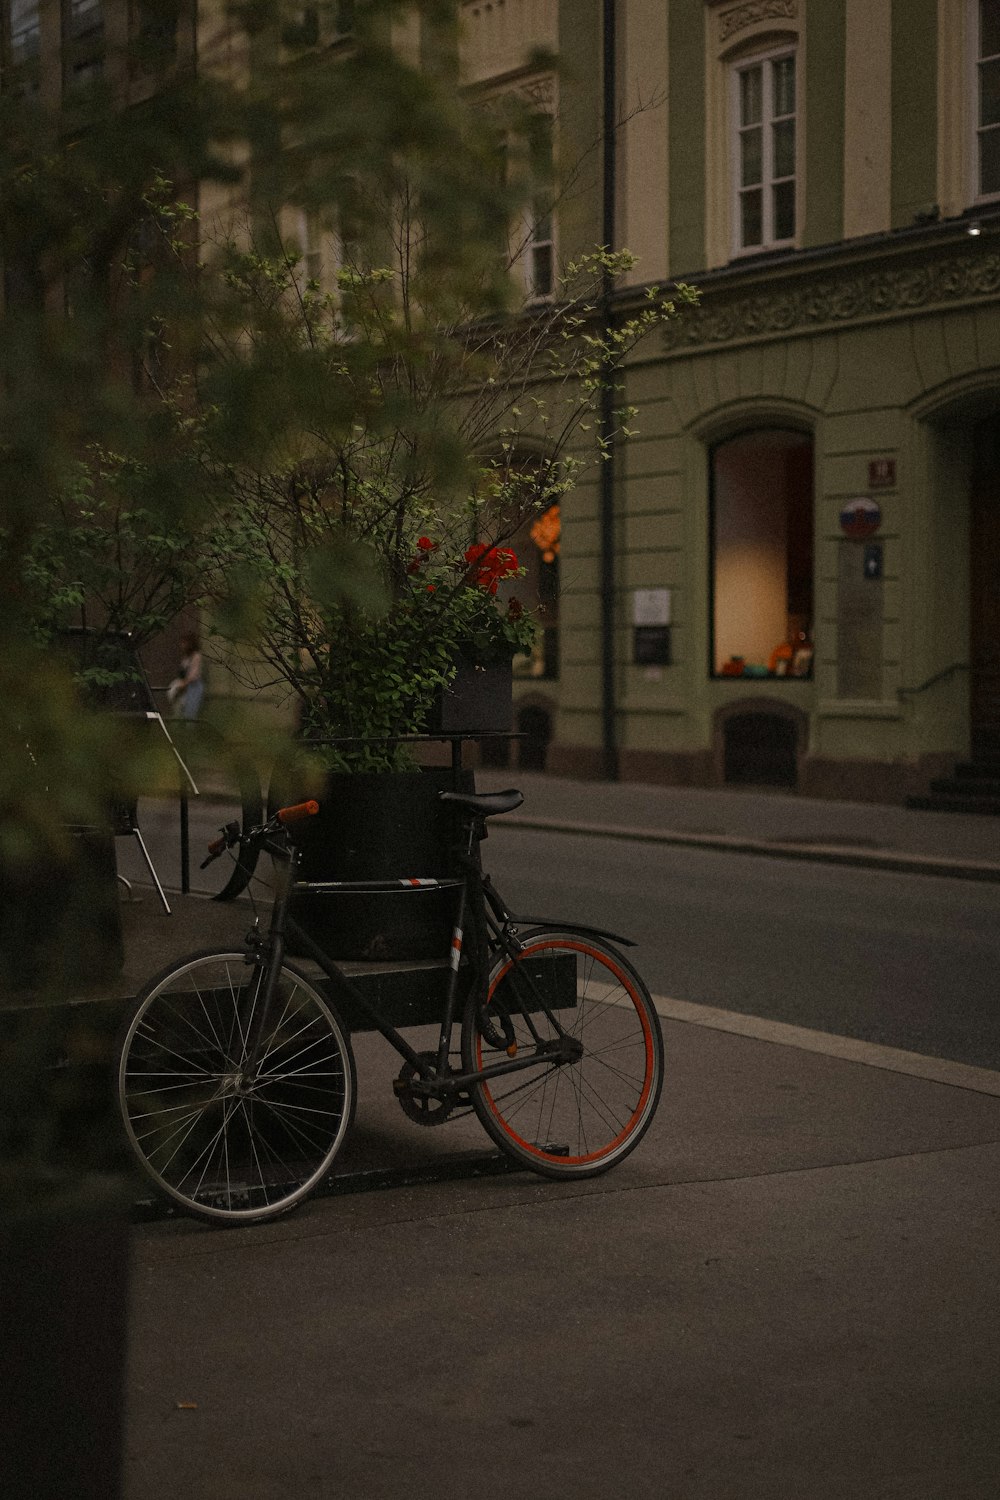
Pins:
<point x="416" y="1098"/>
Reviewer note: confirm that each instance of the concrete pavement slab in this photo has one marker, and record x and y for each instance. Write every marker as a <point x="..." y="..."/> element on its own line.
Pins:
<point x="789" y="1290"/>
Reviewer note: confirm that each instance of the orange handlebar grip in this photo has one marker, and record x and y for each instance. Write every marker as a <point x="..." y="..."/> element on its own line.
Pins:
<point x="296" y="813"/>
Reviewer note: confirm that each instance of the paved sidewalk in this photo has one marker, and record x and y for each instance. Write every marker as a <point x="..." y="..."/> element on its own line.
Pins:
<point x="753" y="821"/>
<point x="788" y="1292"/>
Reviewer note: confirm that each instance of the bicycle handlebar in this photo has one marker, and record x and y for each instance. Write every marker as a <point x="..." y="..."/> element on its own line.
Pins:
<point x="297" y="812"/>
<point x="232" y="833"/>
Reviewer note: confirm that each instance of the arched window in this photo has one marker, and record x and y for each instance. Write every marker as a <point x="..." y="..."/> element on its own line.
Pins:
<point x="762" y="554"/>
<point x="536" y="543"/>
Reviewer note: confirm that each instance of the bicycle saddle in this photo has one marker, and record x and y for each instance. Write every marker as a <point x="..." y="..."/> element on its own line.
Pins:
<point x="487" y="804"/>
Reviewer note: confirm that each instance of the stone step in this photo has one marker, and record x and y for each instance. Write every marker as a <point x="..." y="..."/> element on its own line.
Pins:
<point x="983" y="769"/>
<point x="966" y="786"/>
<point x="968" y="803"/>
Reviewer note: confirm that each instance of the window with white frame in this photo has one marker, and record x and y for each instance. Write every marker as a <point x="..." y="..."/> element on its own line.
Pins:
<point x="987" y="96"/>
<point x="83" y="42"/>
<point x="330" y="22"/>
<point x="524" y="161"/>
<point x="539" y="250"/>
<point x="318" y="247"/>
<point x="764" y="150"/>
<point x="23" y="29"/>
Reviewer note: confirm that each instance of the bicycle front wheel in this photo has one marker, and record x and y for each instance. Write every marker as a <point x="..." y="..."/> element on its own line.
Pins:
<point x="576" y="1118"/>
<point x="225" y="1146"/>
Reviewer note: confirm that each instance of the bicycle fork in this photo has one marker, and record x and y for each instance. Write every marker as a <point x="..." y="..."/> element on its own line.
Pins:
<point x="270" y="966"/>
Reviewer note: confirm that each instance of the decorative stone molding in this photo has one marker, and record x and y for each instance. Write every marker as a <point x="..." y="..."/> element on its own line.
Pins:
<point x="537" y="93"/>
<point x="751" y="13"/>
<point x="837" y="297"/>
<point x="498" y="37"/>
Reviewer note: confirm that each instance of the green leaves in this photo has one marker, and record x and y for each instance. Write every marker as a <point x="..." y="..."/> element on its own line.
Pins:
<point x="346" y="572"/>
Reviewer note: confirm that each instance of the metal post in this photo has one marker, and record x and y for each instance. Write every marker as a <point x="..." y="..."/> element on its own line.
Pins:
<point x="609" y="727"/>
<point x="185" y="844"/>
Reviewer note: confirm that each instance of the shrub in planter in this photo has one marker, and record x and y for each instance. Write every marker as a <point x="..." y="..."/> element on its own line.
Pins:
<point x="374" y="538"/>
<point x="438" y="660"/>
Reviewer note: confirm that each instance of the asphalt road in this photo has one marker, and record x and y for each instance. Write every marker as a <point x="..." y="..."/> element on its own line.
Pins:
<point x="905" y="961"/>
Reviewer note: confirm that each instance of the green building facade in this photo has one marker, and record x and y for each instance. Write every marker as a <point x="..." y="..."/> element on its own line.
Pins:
<point x="806" y="527"/>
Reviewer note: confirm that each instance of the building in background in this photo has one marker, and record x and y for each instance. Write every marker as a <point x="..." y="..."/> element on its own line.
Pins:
<point x="806" y="529"/>
<point x="788" y="575"/>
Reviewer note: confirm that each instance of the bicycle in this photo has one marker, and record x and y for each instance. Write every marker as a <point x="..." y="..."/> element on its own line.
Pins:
<point x="236" y="1078"/>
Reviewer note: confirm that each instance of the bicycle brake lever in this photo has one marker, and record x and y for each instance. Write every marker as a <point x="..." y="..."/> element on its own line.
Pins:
<point x="230" y="835"/>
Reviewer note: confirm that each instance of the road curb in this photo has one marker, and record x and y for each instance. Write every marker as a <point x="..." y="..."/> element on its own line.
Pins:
<point x="871" y="859"/>
<point x="834" y="1045"/>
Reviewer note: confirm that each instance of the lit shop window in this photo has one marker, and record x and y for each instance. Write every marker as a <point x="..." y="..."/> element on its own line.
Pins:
<point x="762" y="554"/>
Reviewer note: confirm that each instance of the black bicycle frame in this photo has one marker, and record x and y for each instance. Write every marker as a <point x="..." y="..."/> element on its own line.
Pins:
<point x="274" y="954"/>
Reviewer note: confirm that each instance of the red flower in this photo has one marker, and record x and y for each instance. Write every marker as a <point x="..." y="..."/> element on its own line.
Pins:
<point x="487" y="565"/>
<point x="426" y="547"/>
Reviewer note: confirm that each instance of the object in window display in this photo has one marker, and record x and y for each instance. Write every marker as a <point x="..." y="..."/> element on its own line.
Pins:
<point x="780" y="659"/>
<point x="733" y="667"/>
<point x="802" y="662"/>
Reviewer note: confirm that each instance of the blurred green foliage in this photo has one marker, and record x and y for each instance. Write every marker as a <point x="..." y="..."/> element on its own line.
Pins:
<point x="118" y="330"/>
<point x="130" y="377"/>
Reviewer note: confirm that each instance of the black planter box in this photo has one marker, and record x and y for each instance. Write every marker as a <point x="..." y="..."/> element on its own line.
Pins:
<point x="60" y="919"/>
<point x="480" y="700"/>
<point x="388" y="826"/>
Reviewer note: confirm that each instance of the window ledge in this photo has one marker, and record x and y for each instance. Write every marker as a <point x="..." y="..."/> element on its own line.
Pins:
<point x="858" y="708"/>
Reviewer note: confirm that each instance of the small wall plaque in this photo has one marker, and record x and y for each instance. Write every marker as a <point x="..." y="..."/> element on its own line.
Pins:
<point x="651" y="646"/>
<point x="650" y="606"/>
<point x="881" y="473"/>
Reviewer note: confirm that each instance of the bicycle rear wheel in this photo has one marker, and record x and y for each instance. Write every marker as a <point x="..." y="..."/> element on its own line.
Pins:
<point x="221" y="1148"/>
<point x="566" y="1119"/>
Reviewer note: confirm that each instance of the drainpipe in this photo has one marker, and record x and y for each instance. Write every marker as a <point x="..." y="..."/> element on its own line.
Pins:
<point x="609" y="726"/>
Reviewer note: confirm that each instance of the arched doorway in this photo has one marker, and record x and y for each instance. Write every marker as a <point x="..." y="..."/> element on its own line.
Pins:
<point x="984" y="589"/>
